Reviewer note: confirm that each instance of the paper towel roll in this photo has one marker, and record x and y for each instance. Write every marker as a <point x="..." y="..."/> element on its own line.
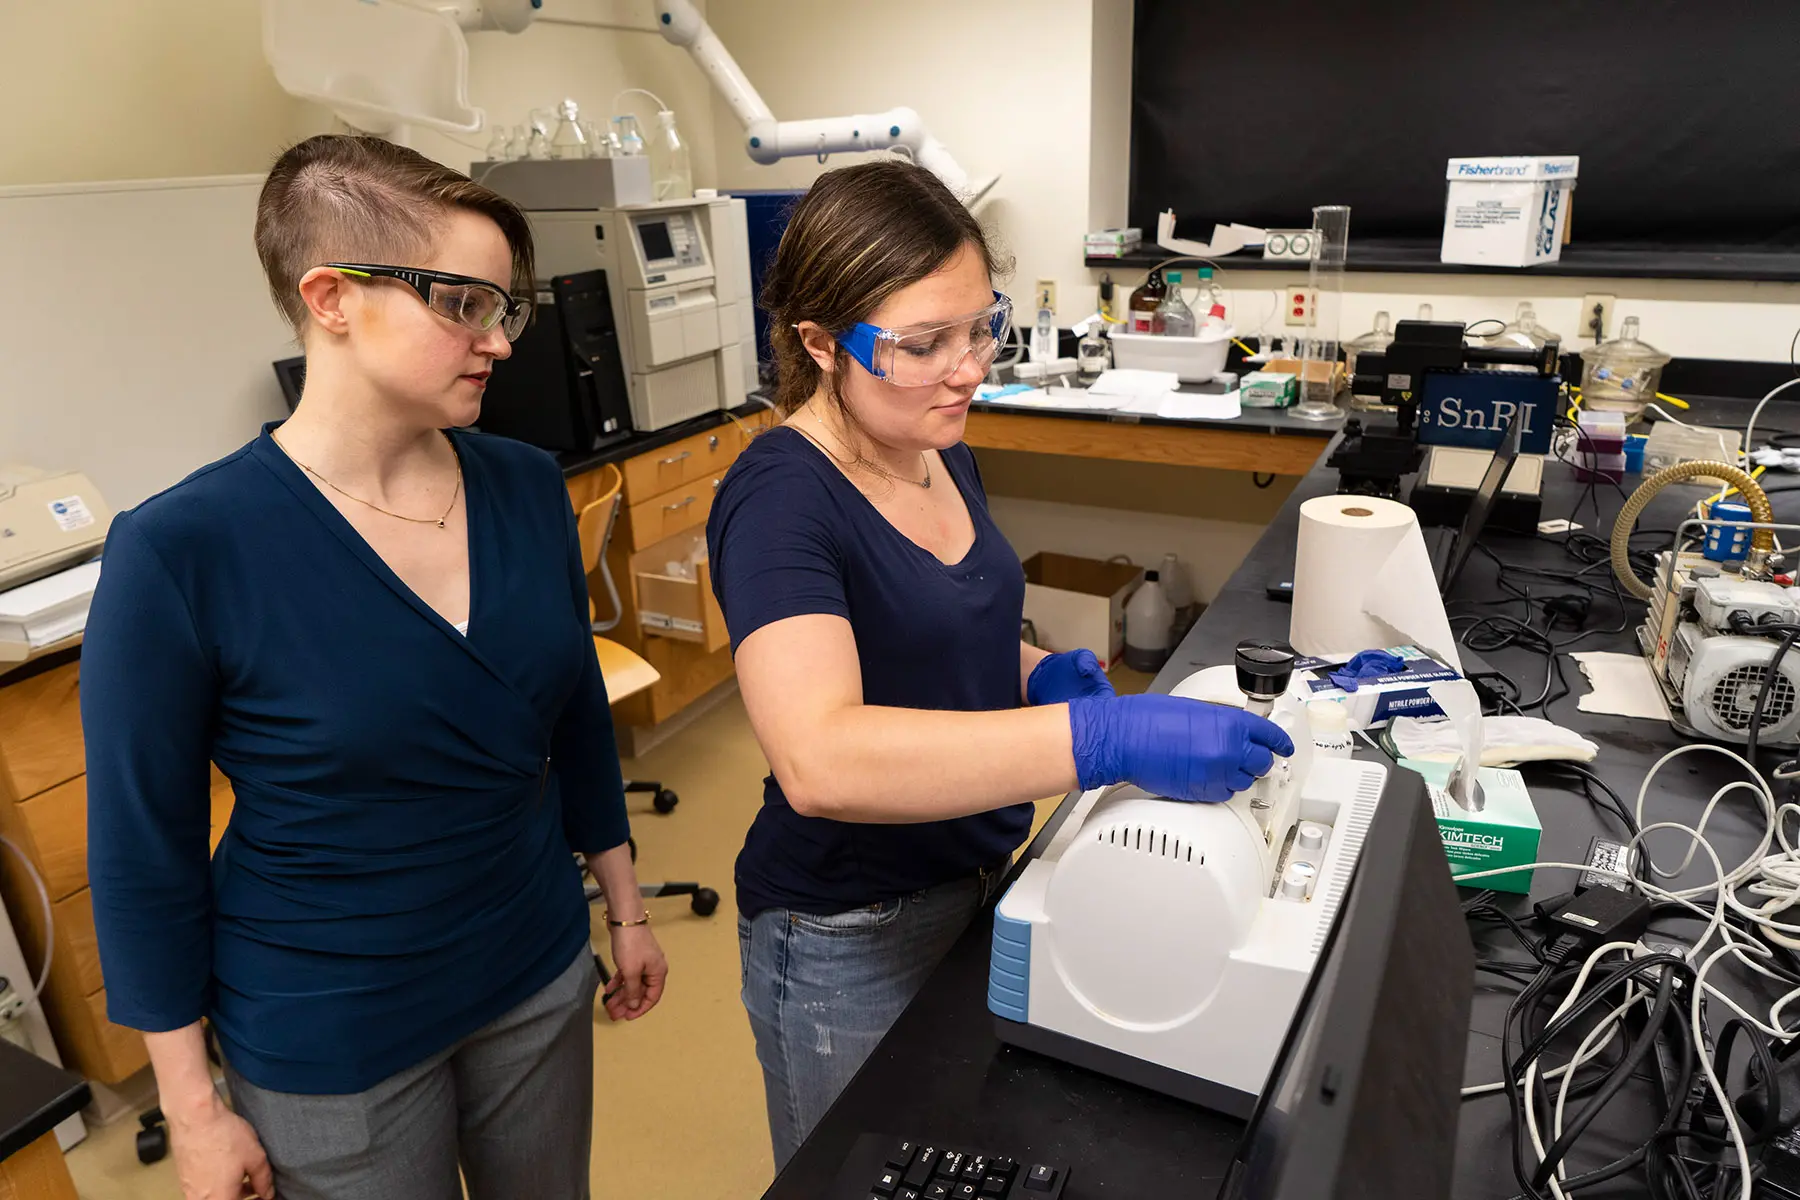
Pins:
<point x="1363" y="580"/>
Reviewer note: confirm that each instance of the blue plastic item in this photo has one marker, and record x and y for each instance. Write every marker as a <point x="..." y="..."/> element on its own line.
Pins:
<point x="1173" y="747"/>
<point x="1370" y="664"/>
<point x="1009" y="970"/>
<point x="1634" y="453"/>
<point x="1067" y="676"/>
<point x="1725" y="543"/>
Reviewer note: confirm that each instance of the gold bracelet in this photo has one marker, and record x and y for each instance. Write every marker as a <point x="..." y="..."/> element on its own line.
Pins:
<point x="643" y="920"/>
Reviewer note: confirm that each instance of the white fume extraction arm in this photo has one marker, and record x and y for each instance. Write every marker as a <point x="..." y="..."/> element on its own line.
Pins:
<point x="305" y="40"/>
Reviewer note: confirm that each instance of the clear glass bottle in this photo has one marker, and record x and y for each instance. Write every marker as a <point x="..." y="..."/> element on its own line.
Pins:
<point x="568" y="141"/>
<point x="597" y="146"/>
<point x="518" y="144"/>
<point x="1211" y="294"/>
<point x="497" y="147"/>
<point x="1375" y="341"/>
<point x="538" y="146"/>
<point x="631" y="142"/>
<point x="1093" y="355"/>
<point x="671" y="168"/>
<point x="1173" y="316"/>
<point x="1043" y="333"/>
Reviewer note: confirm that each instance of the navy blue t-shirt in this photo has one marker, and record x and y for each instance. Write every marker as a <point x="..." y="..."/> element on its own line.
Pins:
<point x="790" y="535"/>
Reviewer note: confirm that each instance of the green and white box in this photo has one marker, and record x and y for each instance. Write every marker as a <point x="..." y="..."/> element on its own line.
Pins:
<point x="1505" y="833"/>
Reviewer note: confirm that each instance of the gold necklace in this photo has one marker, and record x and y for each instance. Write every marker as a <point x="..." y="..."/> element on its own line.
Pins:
<point x="860" y="461"/>
<point x="438" y="521"/>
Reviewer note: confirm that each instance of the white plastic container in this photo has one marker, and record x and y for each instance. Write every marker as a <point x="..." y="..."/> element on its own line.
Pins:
<point x="1507" y="212"/>
<point x="1194" y="359"/>
<point x="1149" y="626"/>
<point x="1330" y="724"/>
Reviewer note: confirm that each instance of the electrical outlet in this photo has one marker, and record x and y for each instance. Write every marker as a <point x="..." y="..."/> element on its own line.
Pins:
<point x="1596" y="317"/>
<point x="1045" y="294"/>
<point x="1301" y="305"/>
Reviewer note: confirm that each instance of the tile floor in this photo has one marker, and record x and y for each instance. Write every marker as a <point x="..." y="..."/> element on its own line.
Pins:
<point x="679" y="1103"/>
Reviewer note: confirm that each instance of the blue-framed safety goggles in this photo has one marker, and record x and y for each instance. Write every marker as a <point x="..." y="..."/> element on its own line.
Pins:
<point x="930" y="352"/>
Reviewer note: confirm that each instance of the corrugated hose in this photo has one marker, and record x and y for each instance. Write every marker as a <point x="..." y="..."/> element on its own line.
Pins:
<point x="1762" y="540"/>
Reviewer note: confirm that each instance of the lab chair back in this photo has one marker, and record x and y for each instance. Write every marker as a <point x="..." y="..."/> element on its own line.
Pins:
<point x="626" y="673"/>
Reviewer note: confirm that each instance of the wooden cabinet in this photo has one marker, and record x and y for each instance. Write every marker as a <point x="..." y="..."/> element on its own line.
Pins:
<point x="668" y="494"/>
<point x="43" y="810"/>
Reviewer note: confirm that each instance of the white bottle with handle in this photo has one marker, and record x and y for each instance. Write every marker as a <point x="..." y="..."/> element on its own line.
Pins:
<point x="1149" y="624"/>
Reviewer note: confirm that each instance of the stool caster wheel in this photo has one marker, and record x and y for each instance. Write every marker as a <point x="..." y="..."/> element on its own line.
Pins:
<point x="705" y="902"/>
<point x="153" y="1138"/>
<point x="632" y="842"/>
<point x="665" y="801"/>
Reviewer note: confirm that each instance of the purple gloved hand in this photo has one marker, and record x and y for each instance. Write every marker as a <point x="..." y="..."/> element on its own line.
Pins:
<point x="1066" y="676"/>
<point x="1170" y="746"/>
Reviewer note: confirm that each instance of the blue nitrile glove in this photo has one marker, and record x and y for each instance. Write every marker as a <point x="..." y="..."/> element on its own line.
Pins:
<point x="1066" y="676"/>
<point x="1174" y="747"/>
<point x="1370" y="664"/>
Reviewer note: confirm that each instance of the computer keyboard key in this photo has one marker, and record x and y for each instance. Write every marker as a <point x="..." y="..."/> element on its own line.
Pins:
<point x="906" y="1193"/>
<point x="1003" y="1167"/>
<point x="964" y="1191"/>
<point x="937" y="1189"/>
<point x="993" y="1186"/>
<point x="1040" y="1179"/>
<point x="919" y="1174"/>
<point x="950" y="1164"/>
<point x="976" y="1169"/>
<point x="887" y="1183"/>
<point x="901" y="1155"/>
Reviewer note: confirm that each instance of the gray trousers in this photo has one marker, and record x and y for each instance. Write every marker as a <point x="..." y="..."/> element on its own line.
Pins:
<point x="512" y="1105"/>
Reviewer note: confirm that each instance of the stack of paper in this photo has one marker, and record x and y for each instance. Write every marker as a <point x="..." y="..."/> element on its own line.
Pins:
<point x="1125" y="381"/>
<point x="45" y="611"/>
<point x="1129" y="392"/>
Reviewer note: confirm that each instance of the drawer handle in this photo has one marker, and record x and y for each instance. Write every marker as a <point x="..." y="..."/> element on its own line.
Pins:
<point x="669" y="462"/>
<point x="678" y="505"/>
<point x="717" y="482"/>
<point x="712" y="443"/>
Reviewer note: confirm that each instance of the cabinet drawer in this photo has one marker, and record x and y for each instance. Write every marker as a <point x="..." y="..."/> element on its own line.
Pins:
<point x="75" y="937"/>
<point x="672" y="512"/>
<point x="121" y="1050"/>
<point x="694" y="457"/>
<point x="221" y="802"/>
<point x="57" y="823"/>
<point x="40" y="730"/>
<point x="675" y="606"/>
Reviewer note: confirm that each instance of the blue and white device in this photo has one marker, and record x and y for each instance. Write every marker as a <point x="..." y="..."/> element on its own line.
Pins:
<point x="1169" y="943"/>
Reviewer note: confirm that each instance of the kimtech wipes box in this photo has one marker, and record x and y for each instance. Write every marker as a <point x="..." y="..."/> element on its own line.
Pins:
<point x="1507" y="212"/>
<point x="1505" y="833"/>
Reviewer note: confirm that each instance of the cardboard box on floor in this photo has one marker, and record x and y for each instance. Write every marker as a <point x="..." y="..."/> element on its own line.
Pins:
<point x="1079" y="603"/>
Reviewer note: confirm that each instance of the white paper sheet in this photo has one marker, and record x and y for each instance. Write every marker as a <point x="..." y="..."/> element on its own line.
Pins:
<point x="52" y="595"/>
<point x="1621" y="684"/>
<point x="1201" y="406"/>
<point x="1129" y="381"/>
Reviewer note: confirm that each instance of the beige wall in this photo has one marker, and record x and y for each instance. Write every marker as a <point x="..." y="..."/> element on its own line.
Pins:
<point x="1004" y="86"/>
<point x="139" y="89"/>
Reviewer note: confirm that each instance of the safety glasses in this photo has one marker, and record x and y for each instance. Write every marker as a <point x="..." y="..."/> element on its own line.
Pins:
<point x="471" y="302"/>
<point x="928" y="353"/>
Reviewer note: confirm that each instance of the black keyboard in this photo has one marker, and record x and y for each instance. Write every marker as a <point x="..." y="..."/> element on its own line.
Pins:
<point x="892" y="1168"/>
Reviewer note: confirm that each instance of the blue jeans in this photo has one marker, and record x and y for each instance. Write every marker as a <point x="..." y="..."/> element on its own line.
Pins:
<point x="822" y="991"/>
